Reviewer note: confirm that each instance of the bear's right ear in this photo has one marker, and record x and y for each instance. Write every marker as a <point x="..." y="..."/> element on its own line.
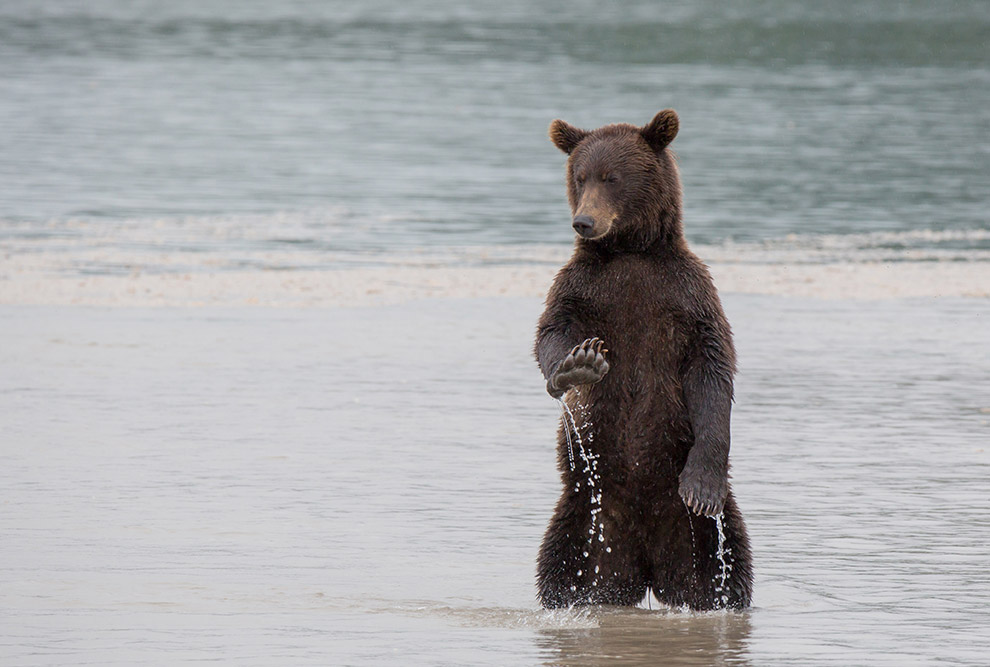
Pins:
<point x="566" y="137"/>
<point x="661" y="130"/>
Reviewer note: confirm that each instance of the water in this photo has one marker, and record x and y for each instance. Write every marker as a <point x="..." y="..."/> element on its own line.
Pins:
<point x="383" y="125"/>
<point x="724" y="571"/>
<point x="314" y="486"/>
<point x="596" y="528"/>
<point x="568" y="418"/>
<point x="593" y="481"/>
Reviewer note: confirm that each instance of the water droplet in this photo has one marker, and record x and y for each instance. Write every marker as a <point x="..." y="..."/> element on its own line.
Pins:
<point x="566" y="412"/>
<point x="725" y="567"/>
<point x="590" y="469"/>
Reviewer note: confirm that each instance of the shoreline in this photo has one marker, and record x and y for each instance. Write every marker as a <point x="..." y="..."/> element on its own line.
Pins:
<point x="24" y="284"/>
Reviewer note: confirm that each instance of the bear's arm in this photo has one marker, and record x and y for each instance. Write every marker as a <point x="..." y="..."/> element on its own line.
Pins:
<point x="556" y="334"/>
<point x="707" y="385"/>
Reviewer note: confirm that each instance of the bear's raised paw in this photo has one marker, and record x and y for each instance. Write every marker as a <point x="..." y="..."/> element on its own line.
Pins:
<point x="584" y="364"/>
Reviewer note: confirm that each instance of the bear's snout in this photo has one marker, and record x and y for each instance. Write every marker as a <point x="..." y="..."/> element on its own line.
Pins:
<point x="584" y="225"/>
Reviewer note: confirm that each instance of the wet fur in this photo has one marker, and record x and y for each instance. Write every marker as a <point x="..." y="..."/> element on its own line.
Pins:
<point x="660" y="416"/>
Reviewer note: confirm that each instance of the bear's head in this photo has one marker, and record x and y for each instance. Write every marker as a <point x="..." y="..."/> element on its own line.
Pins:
<point x="622" y="182"/>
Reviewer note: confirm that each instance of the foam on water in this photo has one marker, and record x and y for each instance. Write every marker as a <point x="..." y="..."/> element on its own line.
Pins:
<point x="334" y="238"/>
<point x="324" y="257"/>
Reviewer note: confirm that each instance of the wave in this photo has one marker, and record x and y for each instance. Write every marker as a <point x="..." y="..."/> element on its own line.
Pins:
<point x="706" y="35"/>
<point x="904" y="246"/>
<point x="331" y="239"/>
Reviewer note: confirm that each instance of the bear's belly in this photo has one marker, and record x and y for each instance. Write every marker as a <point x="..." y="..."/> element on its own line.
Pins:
<point x="638" y="422"/>
<point x="642" y="437"/>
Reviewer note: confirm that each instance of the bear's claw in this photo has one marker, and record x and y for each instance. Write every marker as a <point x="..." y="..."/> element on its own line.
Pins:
<point x="702" y="494"/>
<point x="584" y="364"/>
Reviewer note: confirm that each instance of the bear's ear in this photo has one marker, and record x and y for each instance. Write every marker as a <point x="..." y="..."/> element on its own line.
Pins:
<point x="661" y="130"/>
<point x="566" y="137"/>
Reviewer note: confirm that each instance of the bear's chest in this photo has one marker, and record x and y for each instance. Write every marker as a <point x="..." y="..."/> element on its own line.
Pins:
<point x="641" y="320"/>
<point x="637" y="409"/>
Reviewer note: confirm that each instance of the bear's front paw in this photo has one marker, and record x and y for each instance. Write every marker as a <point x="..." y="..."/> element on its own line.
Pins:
<point x="584" y="364"/>
<point x="702" y="491"/>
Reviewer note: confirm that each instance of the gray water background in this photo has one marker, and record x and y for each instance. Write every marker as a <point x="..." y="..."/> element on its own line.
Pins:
<point x="386" y="125"/>
<point x="356" y="486"/>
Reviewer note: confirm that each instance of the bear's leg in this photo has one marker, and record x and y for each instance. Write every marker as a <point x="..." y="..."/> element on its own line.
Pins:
<point x="687" y="570"/>
<point x="575" y="571"/>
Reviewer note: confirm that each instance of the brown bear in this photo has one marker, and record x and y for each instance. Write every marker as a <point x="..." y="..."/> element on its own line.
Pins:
<point x="644" y="458"/>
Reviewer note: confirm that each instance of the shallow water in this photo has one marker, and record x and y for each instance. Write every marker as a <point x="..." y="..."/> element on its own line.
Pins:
<point x="370" y="486"/>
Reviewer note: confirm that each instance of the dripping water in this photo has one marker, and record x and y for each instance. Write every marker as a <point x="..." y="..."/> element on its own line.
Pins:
<point x="597" y="529"/>
<point x="565" y="412"/>
<point x="721" y="591"/>
<point x="694" y="547"/>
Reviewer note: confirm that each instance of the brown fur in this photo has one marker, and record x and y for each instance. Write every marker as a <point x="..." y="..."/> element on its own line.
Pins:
<point x="659" y="419"/>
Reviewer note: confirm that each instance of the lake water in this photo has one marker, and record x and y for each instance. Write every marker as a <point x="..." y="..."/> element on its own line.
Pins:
<point x="368" y="483"/>
<point x="399" y="124"/>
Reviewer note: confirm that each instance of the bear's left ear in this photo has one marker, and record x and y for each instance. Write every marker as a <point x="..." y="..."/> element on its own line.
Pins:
<point x="566" y="137"/>
<point x="661" y="130"/>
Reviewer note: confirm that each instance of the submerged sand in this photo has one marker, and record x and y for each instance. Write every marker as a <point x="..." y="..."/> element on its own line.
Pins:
<point x="236" y="261"/>
<point x="40" y="281"/>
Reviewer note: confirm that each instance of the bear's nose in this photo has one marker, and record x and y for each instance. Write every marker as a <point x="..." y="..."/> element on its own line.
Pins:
<point x="583" y="224"/>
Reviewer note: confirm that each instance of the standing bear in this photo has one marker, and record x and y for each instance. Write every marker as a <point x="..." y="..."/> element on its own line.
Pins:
<point x="634" y="341"/>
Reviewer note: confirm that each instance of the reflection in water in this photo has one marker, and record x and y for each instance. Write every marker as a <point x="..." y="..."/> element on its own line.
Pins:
<point x="642" y="637"/>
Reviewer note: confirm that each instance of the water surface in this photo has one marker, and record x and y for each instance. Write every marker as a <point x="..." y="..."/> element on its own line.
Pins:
<point x="370" y="485"/>
<point x="407" y="124"/>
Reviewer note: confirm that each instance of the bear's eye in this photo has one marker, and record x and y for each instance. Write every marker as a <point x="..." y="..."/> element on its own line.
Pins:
<point x="580" y="179"/>
<point x="610" y="178"/>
